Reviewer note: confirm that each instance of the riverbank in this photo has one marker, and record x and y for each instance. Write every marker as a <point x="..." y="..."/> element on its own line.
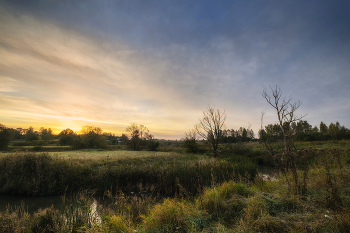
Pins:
<point x="259" y="206"/>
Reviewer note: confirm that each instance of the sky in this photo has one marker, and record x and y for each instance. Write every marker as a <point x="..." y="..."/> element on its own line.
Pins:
<point x="66" y="64"/>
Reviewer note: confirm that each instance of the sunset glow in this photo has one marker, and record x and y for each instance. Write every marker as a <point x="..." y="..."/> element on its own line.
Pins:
<point x="160" y="64"/>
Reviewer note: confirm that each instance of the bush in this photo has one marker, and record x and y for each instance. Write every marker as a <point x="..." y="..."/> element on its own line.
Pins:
<point x="153" y="145"/>
<point x="94" y="140"/>
<point x="191" y="146"/>
<point x="31" y="136"/>
<point x="4" y="138"/>
<point x="37" y="148"/>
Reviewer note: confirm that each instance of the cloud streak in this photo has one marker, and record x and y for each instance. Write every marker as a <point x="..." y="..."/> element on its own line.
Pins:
<point x="161" y="65"/>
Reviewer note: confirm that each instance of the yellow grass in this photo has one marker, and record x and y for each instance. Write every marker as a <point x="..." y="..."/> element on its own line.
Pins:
<point x="111" y="155"/>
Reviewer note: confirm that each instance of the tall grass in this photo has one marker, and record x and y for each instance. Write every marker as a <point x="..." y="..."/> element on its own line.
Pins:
<point x="42" y="174"/>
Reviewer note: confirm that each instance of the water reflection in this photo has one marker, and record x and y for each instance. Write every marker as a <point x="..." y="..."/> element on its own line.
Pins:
<point x="94" y="217"/>
<point x="266" y="172"/>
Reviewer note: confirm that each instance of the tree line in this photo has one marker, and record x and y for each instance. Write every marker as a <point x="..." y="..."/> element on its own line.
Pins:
<point x="303" y="131"/>
<point x="211" y="129"/>
<point x="137" y="137"/>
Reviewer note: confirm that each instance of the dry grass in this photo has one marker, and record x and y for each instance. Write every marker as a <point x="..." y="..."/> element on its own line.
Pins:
<point x="112" y="155"/>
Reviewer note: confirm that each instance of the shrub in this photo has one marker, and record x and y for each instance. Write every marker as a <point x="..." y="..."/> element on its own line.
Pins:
<point x="5" y="138"/>
<point x="152" y="145"/>
<point x="169" y="216"/>
<point x="191" y="146"/>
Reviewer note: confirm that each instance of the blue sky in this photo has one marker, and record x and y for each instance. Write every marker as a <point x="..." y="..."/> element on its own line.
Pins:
<point x="161" y="63"/>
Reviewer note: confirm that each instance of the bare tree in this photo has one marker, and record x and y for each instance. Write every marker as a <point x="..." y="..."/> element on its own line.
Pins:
<point x="211" y="127"/>
<point x="192" y="134"/>
<point x="285" y="109"/>
<point x="285" y="112"/>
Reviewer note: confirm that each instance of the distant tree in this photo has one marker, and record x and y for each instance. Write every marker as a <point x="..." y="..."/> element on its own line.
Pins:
<point x="92" y="137"/>
<point x="303" y="127"/>
<point x="66" y="137"/>
<point x="211" y="127"/>
<point x="31" y="135"/>
<point x="17" y="133"/>
<point x="272" y="132"/>
<point x="5" y="137"/>
<point x="190" y="141"/>
<point x="343" y="132"/>
<point x="109" y="135"/>
<point x="244" y="135"/>
<point x="124" y="139"/>
<point x="46" y="134"/>
<point x="67" y="131"/>
<point x="77" y="142"/>
<point x="323" y="128"/>
<point x="21" y="131"/>
<point x="140" y="138"/>
<point x="134" y="136"/>
<point x="152" y="144"/>
<point x="250" y="133"/>
<point x="12" y="133"/>
<point x="303" y="130"/>
<point x="111" y="138"/>
<point x="333" y="131"/>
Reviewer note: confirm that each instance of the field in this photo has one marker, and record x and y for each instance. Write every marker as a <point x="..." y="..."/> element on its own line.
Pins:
<point x="106" y="154"/>
<point x="114" y="155"/>
<point x="228" y="195"/>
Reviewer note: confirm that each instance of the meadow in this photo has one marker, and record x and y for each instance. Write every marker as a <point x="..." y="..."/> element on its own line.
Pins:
<point x="231" y="198"/>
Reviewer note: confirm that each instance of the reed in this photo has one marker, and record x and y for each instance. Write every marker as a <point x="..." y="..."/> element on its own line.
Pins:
<point x="41" y="174"/>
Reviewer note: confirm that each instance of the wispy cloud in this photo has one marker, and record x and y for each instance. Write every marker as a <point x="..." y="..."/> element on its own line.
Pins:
<point x="162" y="66"/>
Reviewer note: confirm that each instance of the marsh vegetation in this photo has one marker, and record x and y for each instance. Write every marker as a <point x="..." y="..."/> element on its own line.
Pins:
<point x="241" y="204"/>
